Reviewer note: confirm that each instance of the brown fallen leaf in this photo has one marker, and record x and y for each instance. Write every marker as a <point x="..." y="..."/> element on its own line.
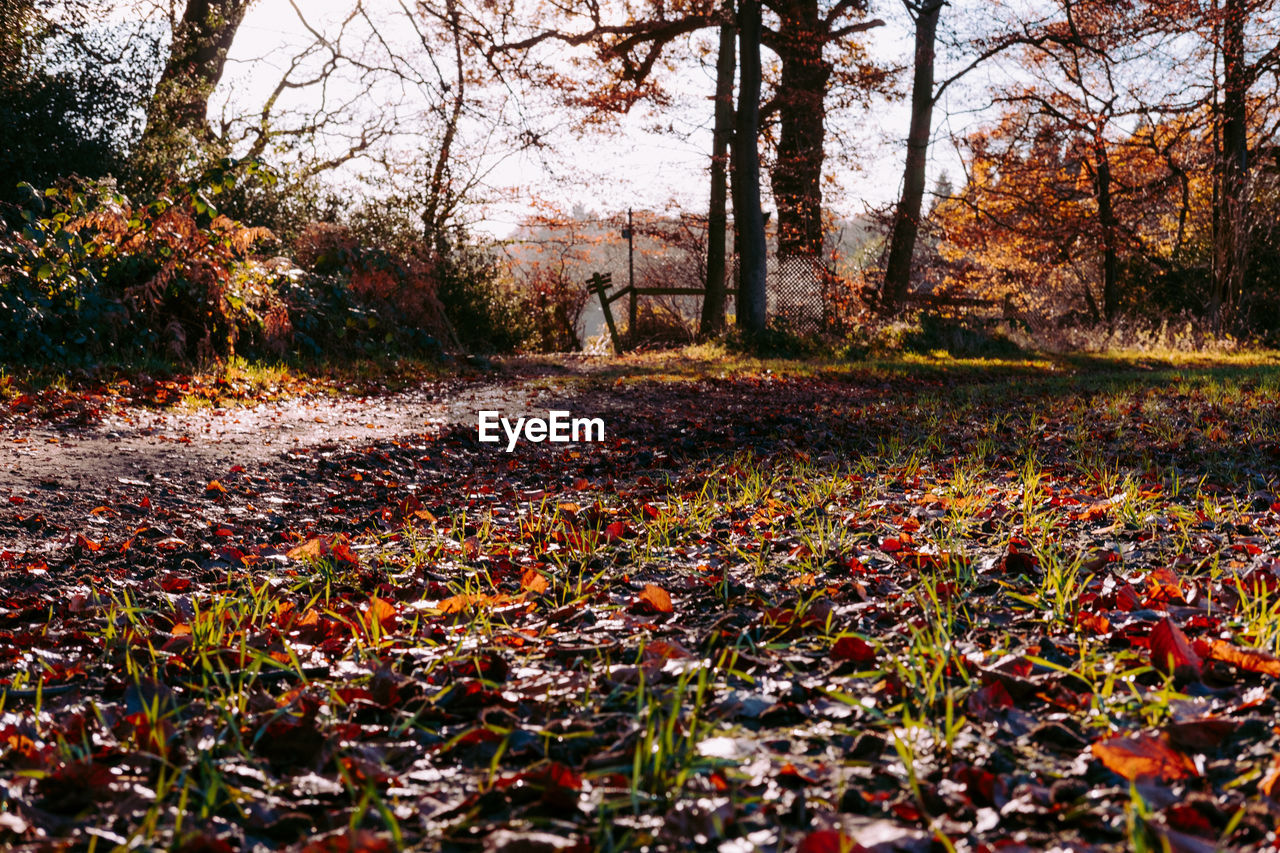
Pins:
<point x="1144" y="757"/>
<point x="1203" y="735"/>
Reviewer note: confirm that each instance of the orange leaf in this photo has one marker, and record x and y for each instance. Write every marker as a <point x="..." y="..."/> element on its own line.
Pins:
<point x="1270" y="784"/>
<point x="661" y="650"/>
<point x="380" y="610"/>
<point x="312" y="549"/>
<point x="215" y="488"/>
<point x="1171" y="651"/>
<point x="86" y="544"/>
<point x="1250" y="660"/>
<point x="656" y="598"/>
<point x="1094" y="623"/>
<point x="1143" y="756"/>
<point x="459" y="603"/>
<point x="533" y="581"/>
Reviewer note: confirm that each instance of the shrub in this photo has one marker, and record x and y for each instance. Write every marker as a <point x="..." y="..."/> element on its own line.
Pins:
<point x="551" y="306"/>
<point x="484" y="306"/>
<point x="400" y="290"/>
<point x="660" y="324"/>
<point x="91" y="273"/>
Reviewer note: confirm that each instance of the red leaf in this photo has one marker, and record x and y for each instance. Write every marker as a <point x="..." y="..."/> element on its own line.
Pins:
<point x="170" y="582"/>
<point x="1143" y="757"/>
<point x="985" y="702"/>
<point x="86" y="544"/>
<point x="342" y="553"/>
<point x="854" y="649"/>
<point x="1171" y="651"/>
<point x="615" y="531"/>
<point x="827" y="841"/>
<point x="362" y="841"/>
<point x="1127" y="598"/>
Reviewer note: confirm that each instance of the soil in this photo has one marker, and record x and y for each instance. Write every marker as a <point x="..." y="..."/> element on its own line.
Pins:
<point x="53" y="476"/>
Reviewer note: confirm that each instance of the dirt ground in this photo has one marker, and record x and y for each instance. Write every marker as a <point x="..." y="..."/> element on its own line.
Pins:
<point x="53" y="477"/>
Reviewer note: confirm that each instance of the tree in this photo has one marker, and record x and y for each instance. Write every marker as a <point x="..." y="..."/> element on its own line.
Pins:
<point x="713" y="304"/>
<point x="906" y="220"/>
<point x="69" y="89"/>
<point x="1245" y="59"/>
<point x="746" y="174"/>
<point x="177" y="118"/>
<point x="805" y="36"/>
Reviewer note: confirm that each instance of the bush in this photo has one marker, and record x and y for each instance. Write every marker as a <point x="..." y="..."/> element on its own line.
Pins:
<point x="550" y="307"/>
<point x="402" y="290"/>
<point x="91" y="274"/>
<point x="485" y="308"/>
<point x="660" y="324"/>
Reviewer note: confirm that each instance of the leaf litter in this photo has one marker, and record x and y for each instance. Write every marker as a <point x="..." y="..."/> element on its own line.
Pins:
<point x="770" y="612"/>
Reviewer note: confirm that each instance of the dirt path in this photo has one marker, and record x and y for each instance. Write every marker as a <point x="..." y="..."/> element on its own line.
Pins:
<point x="52" y="478"/>
<point x="136" y="442"/>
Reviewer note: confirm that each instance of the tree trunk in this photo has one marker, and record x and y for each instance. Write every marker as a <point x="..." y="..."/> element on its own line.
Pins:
<point x="906" y="219"/>
<point x="713" y="304"/>
<point x="1107" y="220"/>
<point x="177" y="115"/>
<point x="746" y="174"/>
<point x="801" y="103"/>
<point x="1231" y="245"/>
<point x="440" y="196"/>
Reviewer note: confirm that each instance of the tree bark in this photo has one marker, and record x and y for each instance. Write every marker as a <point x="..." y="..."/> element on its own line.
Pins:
<point x="746" y="174"/>
<point x="1231" y="246"/>
<point x="713" y="304"/>
<point x="440" y="197"/>
<point x="801" y="105"/>
<point x="906" y="219"/>
<point x="197" y="58"/>
<point x="1107" y="220"/>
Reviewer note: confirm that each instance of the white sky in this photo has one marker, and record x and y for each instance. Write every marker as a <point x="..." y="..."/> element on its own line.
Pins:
<point x="635" y="167"/>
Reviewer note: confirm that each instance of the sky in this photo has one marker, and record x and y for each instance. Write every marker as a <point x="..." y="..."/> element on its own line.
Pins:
<point x="633" y="165"/>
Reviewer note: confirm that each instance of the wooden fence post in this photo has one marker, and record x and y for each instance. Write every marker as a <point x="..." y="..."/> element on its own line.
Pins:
<point x="599" y="284"/>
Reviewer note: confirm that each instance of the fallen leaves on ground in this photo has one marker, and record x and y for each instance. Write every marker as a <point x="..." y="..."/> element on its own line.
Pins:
<point x="859" y="611"/>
